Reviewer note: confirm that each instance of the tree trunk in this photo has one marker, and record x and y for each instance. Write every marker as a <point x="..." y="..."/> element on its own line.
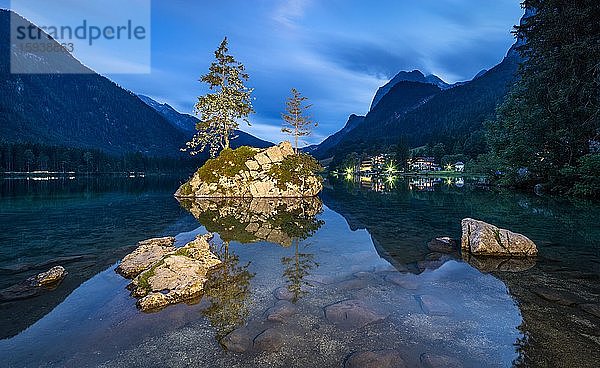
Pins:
<point x="226" y="138"/>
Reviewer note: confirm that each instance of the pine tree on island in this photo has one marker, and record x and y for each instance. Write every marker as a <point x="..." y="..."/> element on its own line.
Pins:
<point x="228" y="102"/>
<point x="296" y="123"/>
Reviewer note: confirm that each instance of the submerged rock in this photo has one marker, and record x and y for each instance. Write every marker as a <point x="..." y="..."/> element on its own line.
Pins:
<point x="481" y="238"/>
<point x="439" y="361"/>
<point x="283" y="293"/>
<point x="434" y="306"/>
<point x="281" y="311"/>
<point x="269" y="340"/>
<point x="375" y="359"/>
<point x="593" y="309"/>
<point x="237" y="341"/>
<point x="406" y="281"/>
<point x="350" y="314"/>
<point x="169" y="277"/>
<point x="275" y="172"/>
<point x="442" y="244"/>
<point x="556" y="296"/>
<point x="147" y="252"/>
<point x="35" y="285"/>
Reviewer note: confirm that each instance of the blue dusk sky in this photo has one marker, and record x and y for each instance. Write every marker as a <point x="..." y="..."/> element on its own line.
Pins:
<point x="336" y="52"/>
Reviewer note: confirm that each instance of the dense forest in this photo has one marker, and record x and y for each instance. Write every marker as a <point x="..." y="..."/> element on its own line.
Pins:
<point x="28" y="157"/>
<point x="547" y="131"/>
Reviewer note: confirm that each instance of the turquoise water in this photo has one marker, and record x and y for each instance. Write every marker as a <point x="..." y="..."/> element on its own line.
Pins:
<point x="363" y="244"/>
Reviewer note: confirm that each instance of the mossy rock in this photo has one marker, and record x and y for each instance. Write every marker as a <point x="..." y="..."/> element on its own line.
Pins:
<point x="274" y="172"/>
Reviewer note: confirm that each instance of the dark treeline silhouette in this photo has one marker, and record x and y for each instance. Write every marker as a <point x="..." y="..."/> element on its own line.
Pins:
<point x="28" y="157"/>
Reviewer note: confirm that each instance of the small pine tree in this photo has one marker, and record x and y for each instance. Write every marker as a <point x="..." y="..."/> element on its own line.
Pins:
<point x="296" y="123"/>
<point x="222" y="109"/>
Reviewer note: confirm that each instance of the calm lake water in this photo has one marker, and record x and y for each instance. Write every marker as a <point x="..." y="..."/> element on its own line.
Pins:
<point x="355" y="264"/>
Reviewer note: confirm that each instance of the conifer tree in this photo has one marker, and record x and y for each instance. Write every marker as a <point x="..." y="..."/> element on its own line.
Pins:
<point x="296" y="123"/>
<point x="220" y="110"/>
<point x="546" y="129"/>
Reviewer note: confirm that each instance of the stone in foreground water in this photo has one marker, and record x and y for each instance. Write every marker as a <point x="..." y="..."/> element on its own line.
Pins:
<point x="375" y="359"/>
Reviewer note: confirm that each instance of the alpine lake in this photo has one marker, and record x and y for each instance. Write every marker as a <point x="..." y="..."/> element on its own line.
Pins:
<point x="340" y="280"/>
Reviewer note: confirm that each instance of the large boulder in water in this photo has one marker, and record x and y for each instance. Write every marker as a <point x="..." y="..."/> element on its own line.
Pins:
<point x="274" y="172"/>
<point x="481" y="238"/>
<point x="147" y="252"/>
<point x="175" y="276"/>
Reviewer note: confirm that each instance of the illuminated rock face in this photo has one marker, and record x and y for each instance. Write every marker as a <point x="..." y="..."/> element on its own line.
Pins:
<point x="164" y="275"/>
<point x="481" y="238"/>
<point x="147" y="252"/>
<point x="264" y="173"/>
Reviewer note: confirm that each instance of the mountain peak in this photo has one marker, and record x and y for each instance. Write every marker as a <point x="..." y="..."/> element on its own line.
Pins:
<point x="405" y="76"/>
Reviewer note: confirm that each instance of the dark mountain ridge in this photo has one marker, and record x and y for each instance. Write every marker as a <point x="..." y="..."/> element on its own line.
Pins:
<point x="403" y="76"/>
<point x="187" y="124"/>
<point x="418" y="114"/>
<point x="65" y="104"/>
<point x="75" y="110"/>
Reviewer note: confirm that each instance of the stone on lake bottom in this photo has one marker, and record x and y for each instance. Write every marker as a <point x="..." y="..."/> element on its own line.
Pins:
<point x="320" y="279"/>
<point x="439" y="361"/>
<point x="375" y="359"/>
<point x="405" y="281"/>
<point x="281" y="311"/>
<point x="593" y="309"/>
<point x="282" y="293"/>
<point x="268" y="340"/>
<point x="433" y="306"/>
<point x="352" y="284"/>
<point x="237" y="341"/>
<point x="350" y="314"/>
<point x="556" y="296"/>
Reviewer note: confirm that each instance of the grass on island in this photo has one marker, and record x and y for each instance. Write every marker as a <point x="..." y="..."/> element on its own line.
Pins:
<point x="294" y="169"/>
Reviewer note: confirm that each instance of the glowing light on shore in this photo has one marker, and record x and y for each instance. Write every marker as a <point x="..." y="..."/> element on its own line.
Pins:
<point x="390" y="169"/>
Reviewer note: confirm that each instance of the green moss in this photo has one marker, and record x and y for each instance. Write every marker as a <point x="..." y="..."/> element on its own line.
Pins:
<point x="294" y="169"/>
<point x="183" y="252"/>
<point x="228" y="164"/>
<point x="146" y="275"/>
<point x="186" y="189"/>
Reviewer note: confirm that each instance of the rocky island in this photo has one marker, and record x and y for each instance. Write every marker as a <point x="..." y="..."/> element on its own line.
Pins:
<point x="164" y="274"/>
<point x="246" y="172"/>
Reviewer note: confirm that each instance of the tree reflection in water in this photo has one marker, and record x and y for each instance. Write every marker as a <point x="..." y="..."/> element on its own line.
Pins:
<point x="283" y="221"/>
<point x="228" y="290"/>
<point x="297" y="268"/>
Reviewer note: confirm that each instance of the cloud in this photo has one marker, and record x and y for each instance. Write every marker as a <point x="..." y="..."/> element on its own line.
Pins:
<point x="369" y="57"/>
<point x="270" y="129"/>
<point x="289" y="12"/>
<point x="337" y="52"/>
